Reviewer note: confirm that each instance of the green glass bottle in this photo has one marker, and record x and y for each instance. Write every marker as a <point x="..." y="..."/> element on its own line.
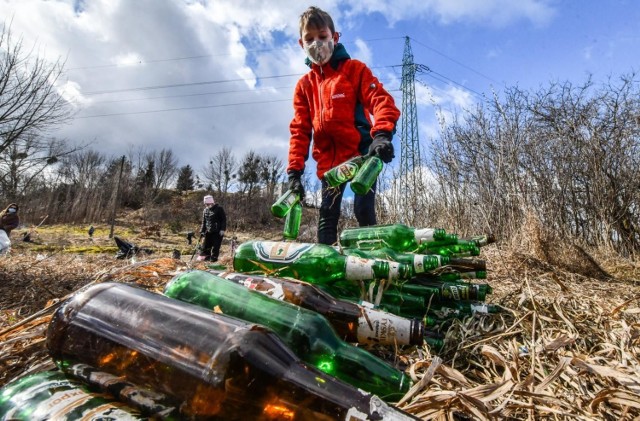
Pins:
<point x="460" y="309"/>
<point x="211" y="365"/>
<point x="343" y="172"/>
<point x="467" y="264"/>
<point x="284" y="204"/>
<point x="419" y="263"/>
<point x="352" y="322"/>
<point x="447" y="290"/>
<point x="398" y="237"/>
<point x="307" y="333"/>
<point x="450" y="276"/>
<point x="292" y="222"/>
<point x="482" y="239"/>
<point x="50" y="395"/>
<point x="460" y="249"/>
<point x="366" y="175"/>
<point x="313" y="263"/>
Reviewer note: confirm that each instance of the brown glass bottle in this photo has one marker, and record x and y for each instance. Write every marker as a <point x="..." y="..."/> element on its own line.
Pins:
<point x="213" y="366"/>
<point x="352" y="322"/>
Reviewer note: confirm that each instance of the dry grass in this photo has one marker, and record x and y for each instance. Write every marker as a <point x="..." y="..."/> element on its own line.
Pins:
<point x="565" y="347"/>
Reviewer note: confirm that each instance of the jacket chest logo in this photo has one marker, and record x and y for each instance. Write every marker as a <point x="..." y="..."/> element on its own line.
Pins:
<point x="336" y="96"/>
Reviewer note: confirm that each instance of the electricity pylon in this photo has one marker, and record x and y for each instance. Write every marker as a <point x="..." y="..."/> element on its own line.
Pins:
<point x="410" y="174"/>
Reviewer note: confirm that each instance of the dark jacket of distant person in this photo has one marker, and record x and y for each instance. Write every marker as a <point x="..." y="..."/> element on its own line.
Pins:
<point x="9" y="218"/>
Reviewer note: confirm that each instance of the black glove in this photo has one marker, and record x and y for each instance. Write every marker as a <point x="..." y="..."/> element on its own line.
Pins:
<point x="382" y="147"/>
<point x="295" y="183"/>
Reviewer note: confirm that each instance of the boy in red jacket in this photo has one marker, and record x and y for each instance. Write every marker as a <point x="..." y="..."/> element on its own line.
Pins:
<point x="333" y="104"/>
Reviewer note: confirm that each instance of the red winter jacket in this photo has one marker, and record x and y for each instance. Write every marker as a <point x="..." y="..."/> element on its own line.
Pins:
<point x="328" y="102"/>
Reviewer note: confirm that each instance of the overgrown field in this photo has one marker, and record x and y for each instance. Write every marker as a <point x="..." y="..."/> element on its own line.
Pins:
<point x="566" y="345"/>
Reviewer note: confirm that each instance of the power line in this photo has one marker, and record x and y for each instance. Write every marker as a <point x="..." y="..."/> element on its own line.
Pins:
<point x="455" y="61"/>
<point x="180" y="85"/>
<point x="185" y="108"/>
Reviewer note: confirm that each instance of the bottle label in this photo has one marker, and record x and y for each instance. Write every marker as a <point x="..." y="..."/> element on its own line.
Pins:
<point x="150" y="401"/>
<point x="59" y="404"/>
<point x="280" y="252"/>
<point x="424" y="235"/>
<point x="359" y="269"/>
<point x="418" y="263"/>
<point x="479" y="308"/>
<point x="377" y="327"/>
<point x="346" y="171"/>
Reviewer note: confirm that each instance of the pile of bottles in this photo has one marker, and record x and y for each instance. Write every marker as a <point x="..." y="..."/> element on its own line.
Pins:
<point x="282" y="337"/>
<point x="427" y="274"/>
<point x="208" y="348"/>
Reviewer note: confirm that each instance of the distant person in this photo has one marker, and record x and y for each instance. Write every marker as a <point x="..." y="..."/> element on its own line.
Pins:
<point x="214" y="224"/>
<point x="9" y="220"/>
<point x="332" y="105"/>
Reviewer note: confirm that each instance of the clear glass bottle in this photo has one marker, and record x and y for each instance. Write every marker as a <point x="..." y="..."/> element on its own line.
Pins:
<point x="352" y="322"/>
<point x="284" y="204"/>
<point x="307" y="333"/>
<point x="292" y="222"/>
<point x="344" y="172"/>
<point x="50" y="395"/>
<point x="366" y="175"/>
<point x="213" y="366"/>
<point x="313" y="263"/>
<point x="398" y="237"/>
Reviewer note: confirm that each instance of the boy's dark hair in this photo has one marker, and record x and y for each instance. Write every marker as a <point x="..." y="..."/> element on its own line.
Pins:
<point x="316" y="18"/>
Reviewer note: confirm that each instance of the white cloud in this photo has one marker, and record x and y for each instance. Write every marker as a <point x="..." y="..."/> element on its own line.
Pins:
<point x="487" y="12"/>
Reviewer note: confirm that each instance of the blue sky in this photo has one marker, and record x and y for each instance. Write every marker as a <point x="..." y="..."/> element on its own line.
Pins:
<point x="198" y="75"/>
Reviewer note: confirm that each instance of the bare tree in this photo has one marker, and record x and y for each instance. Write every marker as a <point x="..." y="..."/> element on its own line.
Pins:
<point x="29" y="102"/>
<point x="166" y="167"/>
<point x="220" y="171"/>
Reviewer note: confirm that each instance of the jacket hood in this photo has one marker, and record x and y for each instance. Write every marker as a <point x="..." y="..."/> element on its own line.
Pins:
<point x="339" y="54"/>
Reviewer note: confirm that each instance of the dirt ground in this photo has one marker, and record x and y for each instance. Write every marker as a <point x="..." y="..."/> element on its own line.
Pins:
<point x="565" y="346"/>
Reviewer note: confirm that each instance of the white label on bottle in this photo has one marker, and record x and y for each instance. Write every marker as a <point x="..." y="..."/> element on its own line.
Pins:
<point x="280" y="252"/>
<point x="354" y="415"/>
<point x="358" y="269"/>
<point x="481" y="308"/>
<point x="455" y="293"/>
<point x="424" y="235"/>
<point x="379" y="327"/>
<point x="418" y="263"/>
<point x="59" y="404"/>
<point x="276" y="290"/>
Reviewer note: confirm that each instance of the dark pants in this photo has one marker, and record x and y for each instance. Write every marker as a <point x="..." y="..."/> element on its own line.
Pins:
<point x="211" y="246"/>
<point x="364" y="208"/>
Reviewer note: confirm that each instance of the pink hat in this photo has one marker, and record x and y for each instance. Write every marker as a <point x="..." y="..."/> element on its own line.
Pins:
<point x="208" y="200"/>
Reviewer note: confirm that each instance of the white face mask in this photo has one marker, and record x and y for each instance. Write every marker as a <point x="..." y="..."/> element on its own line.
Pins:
<point x="319" y="51"/>
<point x="11" y="210"/>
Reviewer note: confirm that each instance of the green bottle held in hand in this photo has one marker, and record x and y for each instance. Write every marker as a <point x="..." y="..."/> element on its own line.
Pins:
<point x="313" y="263"/>
<point x="210" y="365"/>
<point x="50" y="395"/>
<point x="307" y="333"/>
<point x="352" y="322"/>
<point x="366" y="175"/>
<point x="398" y="237"/>
<point x="344" y="172"/>
<point x="292" y="222"/>
<point x="284" y="204"/>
